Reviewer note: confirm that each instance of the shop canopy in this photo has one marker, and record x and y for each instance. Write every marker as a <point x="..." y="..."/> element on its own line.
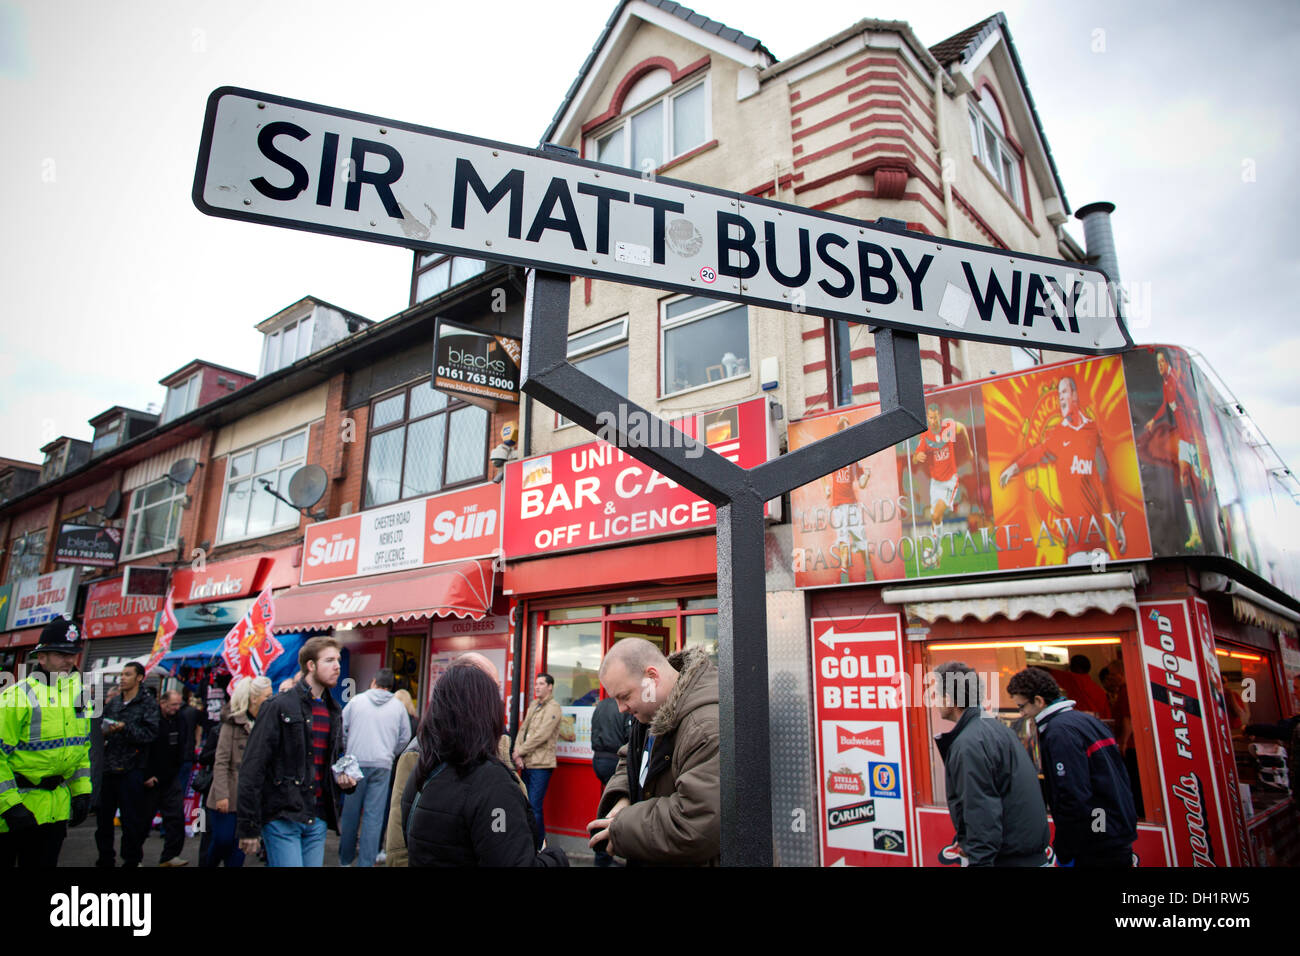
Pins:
<point x="208" y="653"/>
<point x="463" y="589"/>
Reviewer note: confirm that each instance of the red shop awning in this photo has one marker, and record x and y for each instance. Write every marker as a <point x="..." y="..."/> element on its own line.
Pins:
<point x="25" y="638"/>
<point x="463" y="589"/>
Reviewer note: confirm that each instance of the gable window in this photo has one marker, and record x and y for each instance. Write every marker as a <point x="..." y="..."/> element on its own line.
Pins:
<point x="248" y="510"/>
<point x="656" y="132"/>
<point x="54" y="463"/>
<point x="28" y="563"/>
<point x="108" y="436"/>
<point x="600" y="352"/>
<point x="422" y="441"/>
<point x="154" y="520"/>
<point x="702" y="341"/>
<point x="990" y="146"/>
<point x="436" y="272"/>
<point x="287" y="345"/>
<point x="182" y="398"/>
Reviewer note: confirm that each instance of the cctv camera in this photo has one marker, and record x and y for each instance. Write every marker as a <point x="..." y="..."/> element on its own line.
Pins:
<point x="501" y="454"/>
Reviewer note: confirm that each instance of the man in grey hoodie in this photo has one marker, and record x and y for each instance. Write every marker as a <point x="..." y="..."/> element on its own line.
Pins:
<point x="376" y="729"/>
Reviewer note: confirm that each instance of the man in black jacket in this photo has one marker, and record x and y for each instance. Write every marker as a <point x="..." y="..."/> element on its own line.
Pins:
<point x="163" y="781"/>
<point x="130" y="726"/>
<point x="288" y="793"/>
<point x="610" y="730"/>
<point x="994" y="799"/>
<point x="1087" y="785"/>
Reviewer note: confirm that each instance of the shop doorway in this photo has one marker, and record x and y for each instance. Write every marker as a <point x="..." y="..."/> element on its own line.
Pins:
<point x="404" y="652"/>
<point x="657" y="633"/>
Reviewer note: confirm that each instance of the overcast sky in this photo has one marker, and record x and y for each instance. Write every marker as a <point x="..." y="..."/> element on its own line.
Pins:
<point x="1181" y="114"/>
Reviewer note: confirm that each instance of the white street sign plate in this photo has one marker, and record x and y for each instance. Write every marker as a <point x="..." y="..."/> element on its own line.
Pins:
<point x="288" y="163"/>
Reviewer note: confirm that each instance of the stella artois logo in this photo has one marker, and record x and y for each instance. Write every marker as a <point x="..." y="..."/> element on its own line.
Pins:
<point x="845" y="780"/>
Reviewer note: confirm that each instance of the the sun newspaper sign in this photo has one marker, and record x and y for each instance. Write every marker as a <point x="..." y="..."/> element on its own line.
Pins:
<point x="284" y="162"/>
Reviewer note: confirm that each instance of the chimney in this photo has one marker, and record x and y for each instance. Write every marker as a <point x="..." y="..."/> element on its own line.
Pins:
<point x="1098" y="238"/>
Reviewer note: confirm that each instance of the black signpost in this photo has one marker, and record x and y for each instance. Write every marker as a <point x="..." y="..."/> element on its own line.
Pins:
<point x="271" y="160"/>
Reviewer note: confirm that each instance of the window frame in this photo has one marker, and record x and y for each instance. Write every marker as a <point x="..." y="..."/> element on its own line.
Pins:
<point x="24" y="560"/>
<point x="193" y="381"/>
<point x="274" y="341"/>
<point x="133" y="510"/>
<point x="717" y="307"/>
<point x="114" y="427"/>
<point x="981" y="128"/>
<point x="251" y="478"/>
<point x="453" y="404"/>
<point x="426" y="262"/>
<point x="620" y="341"/>
<point x="624" y="122"/>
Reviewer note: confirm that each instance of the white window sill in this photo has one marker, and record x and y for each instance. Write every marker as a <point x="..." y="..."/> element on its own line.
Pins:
<point x="263" y="534"/>
<point x="713" y="384"/>
<point x="146" y="554"/>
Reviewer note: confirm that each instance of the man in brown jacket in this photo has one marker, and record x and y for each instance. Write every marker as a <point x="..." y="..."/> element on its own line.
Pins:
<point x="535" y="747"/>
<point x="662" y="804"/>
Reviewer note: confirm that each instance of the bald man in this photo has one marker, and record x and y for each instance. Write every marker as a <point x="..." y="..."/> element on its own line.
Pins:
<point x="404" y="766"/>
<point x="661" y="807"/>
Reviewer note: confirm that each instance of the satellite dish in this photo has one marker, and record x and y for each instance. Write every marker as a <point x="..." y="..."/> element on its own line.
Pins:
<point x="307" y="486"/>
<point x="112" y="505"/>
<point x="182" y="471"/>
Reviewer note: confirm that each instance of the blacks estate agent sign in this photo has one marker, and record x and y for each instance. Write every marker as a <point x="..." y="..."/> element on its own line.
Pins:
<point x="481" y="367"/>
<point x="284" y="162"/>
<point x="88" y="545"/>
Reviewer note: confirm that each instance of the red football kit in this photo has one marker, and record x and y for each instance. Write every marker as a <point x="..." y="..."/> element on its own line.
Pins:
<point x="1075" y="449"/>
<point x="842" y="485"/>
<point x="941" y="453"/>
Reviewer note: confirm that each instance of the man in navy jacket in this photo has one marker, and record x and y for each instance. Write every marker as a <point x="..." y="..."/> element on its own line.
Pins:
<point x="1088" y="787"/>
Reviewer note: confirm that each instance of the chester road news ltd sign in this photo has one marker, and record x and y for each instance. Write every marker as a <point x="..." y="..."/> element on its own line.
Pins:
<point x="283" y="162"/>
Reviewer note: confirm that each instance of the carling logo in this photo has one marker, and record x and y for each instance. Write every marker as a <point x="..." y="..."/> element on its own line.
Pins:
<point x="76" y="909"/>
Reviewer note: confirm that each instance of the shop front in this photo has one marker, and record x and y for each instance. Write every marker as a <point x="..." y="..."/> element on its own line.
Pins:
<point x="601" y="548"/>
<point x="1062" y="518"/>
<point x="26" y="606"/>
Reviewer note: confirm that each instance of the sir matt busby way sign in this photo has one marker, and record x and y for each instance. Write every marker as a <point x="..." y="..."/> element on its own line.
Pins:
<point x="283" y="162"/>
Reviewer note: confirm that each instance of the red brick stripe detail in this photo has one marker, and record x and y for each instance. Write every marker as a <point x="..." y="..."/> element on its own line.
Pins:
<point x="687" y="155"/>
<point x="870" y="194"/>
<point x="634" y="74"/>
<point x="811" y="334"/>
<point x="814" y="367"/>
<point x="829" y="121"/>
<point x="865" y="387"/>
<point x="969" y="210"/>
<point x="867" y="352"/>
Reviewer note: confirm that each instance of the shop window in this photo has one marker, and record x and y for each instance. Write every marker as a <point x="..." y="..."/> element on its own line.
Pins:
<point x="573" y="659"/>
<point x="436" y="272"/>
<point x="990" y="146"/>
<point x="287" y="345"/>
<point x="601" y="353"/>
<point x="248" y="510"/>
<point x="154" y="520"/>
<point x="703" y="341"/>
<point x="1261" y="739"/>
<point x="657" y="132"/>
<point x="1097" y="661"/>
<point x="26" y="555"/>
<point x="182" y="398"/>
<point x="422" y="441"/>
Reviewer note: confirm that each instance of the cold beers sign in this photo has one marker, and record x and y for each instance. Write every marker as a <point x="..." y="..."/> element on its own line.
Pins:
<point x="449" y="527"/>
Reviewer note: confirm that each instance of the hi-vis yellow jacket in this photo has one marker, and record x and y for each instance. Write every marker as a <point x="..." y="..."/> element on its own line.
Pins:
<point x="44" y="746"/>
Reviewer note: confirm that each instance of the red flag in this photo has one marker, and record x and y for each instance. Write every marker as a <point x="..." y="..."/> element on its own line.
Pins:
<point x="167" y="627"/>
<point x="250" y="648"/>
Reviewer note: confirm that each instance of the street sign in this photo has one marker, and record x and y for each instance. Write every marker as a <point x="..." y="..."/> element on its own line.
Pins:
<point x="284" y="162"/>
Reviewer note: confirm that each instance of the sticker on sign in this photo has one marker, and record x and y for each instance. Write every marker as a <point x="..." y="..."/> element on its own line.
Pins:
<point x="284" y="162"/>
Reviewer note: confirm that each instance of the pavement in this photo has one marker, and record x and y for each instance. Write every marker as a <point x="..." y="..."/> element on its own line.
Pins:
<point x="79" y="848"/>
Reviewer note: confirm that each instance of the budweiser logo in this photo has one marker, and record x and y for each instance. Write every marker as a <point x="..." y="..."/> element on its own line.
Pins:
<point x="872" y="740"/>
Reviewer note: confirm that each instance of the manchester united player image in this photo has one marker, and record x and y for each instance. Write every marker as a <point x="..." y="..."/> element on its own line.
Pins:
<point x="846" y="516"/>
<point x="937" y="449"/>
<point x="1073" y="446"/>
<point x="1176" y="409"/>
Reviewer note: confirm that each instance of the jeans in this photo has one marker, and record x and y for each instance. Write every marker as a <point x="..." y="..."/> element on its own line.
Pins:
<point x="222" y="847"/>
<point x="124" y="791"/>
<point x="289" y="843"/>
<point x="604" y="766"/>
<point x="364" y="806"/>
<point x="537" y="780"/>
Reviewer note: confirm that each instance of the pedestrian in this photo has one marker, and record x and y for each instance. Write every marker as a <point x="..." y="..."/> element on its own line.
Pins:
<point x="403" y="697"/>
<point x="376" y="729"/>
<point x="1087" y="785"/>
<point x="246" y="701"/>
<point x="288" y="790"/>
<point x="610" y="728"/>
<point x="45" y="783"/>
<point x="661" y="806"/>
<point x="463" y="806"/>
<point x="534" y="752"/>
<point x="994" y="798"/>
<point x="130" y="726"/>
<point x="164" y="782"/>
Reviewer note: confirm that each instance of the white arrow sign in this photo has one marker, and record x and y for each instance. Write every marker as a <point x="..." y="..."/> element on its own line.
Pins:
<point x="283" y="162"/>
<point x="830" y="638"/>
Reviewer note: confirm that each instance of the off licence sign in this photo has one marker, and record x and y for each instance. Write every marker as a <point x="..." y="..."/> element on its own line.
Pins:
<point x="284" y="162"/>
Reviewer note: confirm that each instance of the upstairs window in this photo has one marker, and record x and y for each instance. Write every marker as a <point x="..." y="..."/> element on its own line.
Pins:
<point x="600" y="352"/>
<point x="54" y="463"/>
<point x="422" y="441"/>
<point x="990" y="146"/>
<point x="182" y="398"/>
<point x="287" y="345"/>
<point x="649" y="136"/>
<point x="26" y="564"/>
<point x="703" y="341"/>
<point x="154" y="520"/>
<point x="107" y="436"/>
<point x="248" y="510"/>
<point x="436" y="272"/>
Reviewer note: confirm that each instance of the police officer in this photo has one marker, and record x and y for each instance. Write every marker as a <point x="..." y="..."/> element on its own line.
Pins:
<point x="44" y="752"/>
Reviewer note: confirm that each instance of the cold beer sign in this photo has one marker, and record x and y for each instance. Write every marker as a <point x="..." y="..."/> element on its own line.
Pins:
<point x="283" y="162"/>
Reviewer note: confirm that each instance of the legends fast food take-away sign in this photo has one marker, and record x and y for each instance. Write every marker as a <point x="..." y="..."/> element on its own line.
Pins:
<point x="284" y="162"/>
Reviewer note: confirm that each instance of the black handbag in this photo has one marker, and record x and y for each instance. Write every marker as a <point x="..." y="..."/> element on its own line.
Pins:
<point x="202" y="781"/>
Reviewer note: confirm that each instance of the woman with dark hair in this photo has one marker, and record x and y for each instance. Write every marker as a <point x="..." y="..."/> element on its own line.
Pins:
<point x="462" y="806"/>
